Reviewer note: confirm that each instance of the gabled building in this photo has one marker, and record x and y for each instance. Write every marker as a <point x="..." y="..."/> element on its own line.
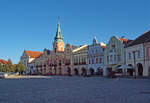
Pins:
<point x="3" y="62"/>
<point x="114" y="55"/>
<point x="28" y="56"/>
<point x="95" y="58"/>
<point x="137" y="55"/>
<point x="80" y="60"/>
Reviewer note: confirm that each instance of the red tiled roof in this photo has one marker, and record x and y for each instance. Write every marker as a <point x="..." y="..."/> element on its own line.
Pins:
<point x="3" y="61"/>
<point x="125" y="41"/>
<point x="33" y="54"/>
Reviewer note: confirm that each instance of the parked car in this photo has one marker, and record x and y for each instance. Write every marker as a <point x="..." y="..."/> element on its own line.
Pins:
<point x="3" y="75"/>
<point x="12" y="73"/>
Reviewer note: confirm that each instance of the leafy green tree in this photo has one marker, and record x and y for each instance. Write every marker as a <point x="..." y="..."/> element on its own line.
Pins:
<point x="20" y="67"/>
<point x="9" y="66"/>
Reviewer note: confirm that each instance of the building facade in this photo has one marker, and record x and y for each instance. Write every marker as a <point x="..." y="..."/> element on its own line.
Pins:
<point x="95" y="58"/>
<point x="51" y="62"/>
<point x="80" y="60"/>
<point x="137" y="54"/>
<point x="114" y="55"/>
<point x="147" y="57"/>
<point x="27" y="57"/>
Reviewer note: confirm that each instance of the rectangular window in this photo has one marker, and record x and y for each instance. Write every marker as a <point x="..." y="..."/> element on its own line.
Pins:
<point x="92" y="61"/>
<point x="129" y="55"/>
<point x="100" y="60"/>
<point x="96" y="60"/>
<point x="107" y="58"/>
<point x="139" y="54"/>
<point x="111" y="58"/>
<point x="119" y="58"/>
<point x="114" y="57"/>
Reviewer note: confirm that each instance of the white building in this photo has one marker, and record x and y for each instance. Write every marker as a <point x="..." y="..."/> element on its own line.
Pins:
<point x="136" y="55"/>
<point x="95" y="59"/>
<point x="28" y="56"/>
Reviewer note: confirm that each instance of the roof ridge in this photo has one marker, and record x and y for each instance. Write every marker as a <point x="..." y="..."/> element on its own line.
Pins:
<point x="140" y="41"/>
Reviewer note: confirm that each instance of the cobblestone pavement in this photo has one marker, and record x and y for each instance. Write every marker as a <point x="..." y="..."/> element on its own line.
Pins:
<point x="59" y="89"/>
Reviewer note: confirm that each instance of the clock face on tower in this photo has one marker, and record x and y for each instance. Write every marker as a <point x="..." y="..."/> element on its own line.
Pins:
<point x="59" y="46"/>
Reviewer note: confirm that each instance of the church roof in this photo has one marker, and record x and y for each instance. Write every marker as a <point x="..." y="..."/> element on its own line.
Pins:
<point x="33" y="54"/>
<point x="58" y="36"/>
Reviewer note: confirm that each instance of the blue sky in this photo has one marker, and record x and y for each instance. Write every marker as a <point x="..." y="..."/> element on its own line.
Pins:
<point x="31" y="24"/>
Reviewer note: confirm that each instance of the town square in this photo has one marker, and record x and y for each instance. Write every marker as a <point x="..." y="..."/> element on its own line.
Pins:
<point x="74" y="51"/>
<point x="58" y="89"/>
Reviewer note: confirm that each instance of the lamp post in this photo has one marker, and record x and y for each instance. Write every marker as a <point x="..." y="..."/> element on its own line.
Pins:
<point x="134" y="61"/>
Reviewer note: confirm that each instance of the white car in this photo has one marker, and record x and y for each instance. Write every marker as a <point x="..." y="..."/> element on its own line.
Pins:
<point x="3" y="75"/>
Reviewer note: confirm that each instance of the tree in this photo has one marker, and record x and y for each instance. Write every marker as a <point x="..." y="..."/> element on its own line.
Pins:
<point x="9" y="66"/>
<point x="1" y="67"/>
<point x="20" y="67"/>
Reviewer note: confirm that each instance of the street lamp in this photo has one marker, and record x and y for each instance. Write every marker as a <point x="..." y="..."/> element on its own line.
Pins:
<point x="134" y="60"/>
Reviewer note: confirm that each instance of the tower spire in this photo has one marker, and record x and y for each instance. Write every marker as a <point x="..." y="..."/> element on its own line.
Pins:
<point x="58" y="45"/>
<point x="58" y="22"/>
<point x="58" y="36"/>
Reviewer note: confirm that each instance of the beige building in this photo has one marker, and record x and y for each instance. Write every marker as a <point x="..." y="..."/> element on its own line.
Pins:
<point x="80" y="60"/>
<point x="51" y="62"/>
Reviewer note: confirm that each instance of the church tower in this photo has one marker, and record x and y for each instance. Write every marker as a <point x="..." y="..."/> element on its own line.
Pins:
<point x="58" y="45"/>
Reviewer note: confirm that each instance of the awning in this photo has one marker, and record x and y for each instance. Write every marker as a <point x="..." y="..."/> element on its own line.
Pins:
<point x="125" y="67"/>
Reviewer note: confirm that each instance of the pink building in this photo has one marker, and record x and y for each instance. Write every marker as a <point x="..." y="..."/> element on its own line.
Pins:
<point x="147" y="56"/>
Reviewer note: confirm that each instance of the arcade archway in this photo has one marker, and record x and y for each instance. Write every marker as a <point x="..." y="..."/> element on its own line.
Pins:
<point x="91" y="71"/>
<point x="99" y="71"/>
<point x="149" y="71"/>
<point x="140" y="69"/>
<point x="68" y="71"/>
<point x="84" y="72"/>
<point x="130" y="70"/>
<point x="76" y="72"/>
